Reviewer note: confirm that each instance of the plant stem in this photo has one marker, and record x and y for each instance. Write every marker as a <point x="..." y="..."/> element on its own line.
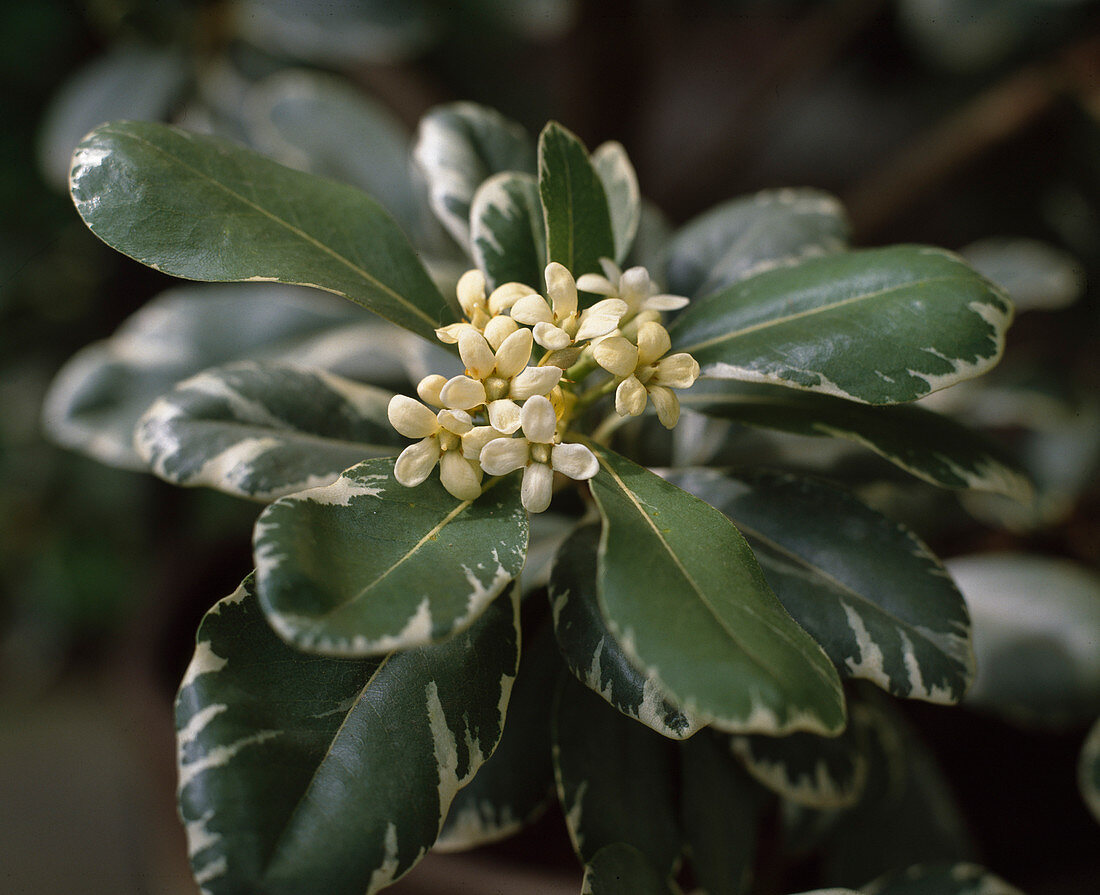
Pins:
<point x="590" y="397"/>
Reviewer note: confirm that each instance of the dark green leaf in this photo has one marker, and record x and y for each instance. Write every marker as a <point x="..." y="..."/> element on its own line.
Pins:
<point x="867" y="589"/>
<point x="593" y="654"/>
<point x="685" y="598"/>
<point x="621" y="869"/>
<point x="616" y="778"/>
<point x="506" y="230"/>
<point x="1088" y="771"/>
<point x="262" y="430"/>
<point x="366" y="565"/>
<point x="306" y="774"/>
<point x="578" y="222"/>
<point x="931" y="446"/>
<point x="880" y="326"/>
<point x="940" y="879"/>
<point x="624" y="198"/>
<point x="206" y="209"/>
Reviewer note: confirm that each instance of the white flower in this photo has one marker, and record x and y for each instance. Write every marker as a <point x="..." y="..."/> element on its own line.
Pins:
<point x="559" y="324"/>
<point x="634" y="286"/>
<point x="537" y="455"/>
<point x="484" y="315"/>
<point x="440" y="441"/>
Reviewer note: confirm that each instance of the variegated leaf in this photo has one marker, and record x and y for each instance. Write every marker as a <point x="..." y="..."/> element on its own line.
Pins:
<point x="204" y="208"/>
<point x="688" y="603"/>
<point x="1088" y="771"/>
<point x="879" y="326"/>
<point x="515" y="785"/>
<point x="1037" y="275"/>
<point x="929" y="445"/>
<point x="262" y="430"/>
<point x="940" y="879"/>
<point x="616" y="779"/>
<point x="506" y="230"/>
<point x="575" y="208"/>
<point x="365" y="565"/>
<point x="817" y="772"/>
<point x="593" y="654"/>
<point x="747" y="236"/>
<point x="624" y="197"/>
<point x="98" y="396"/>
<point x="867" y="589"/>
<point x="721" y="809"/>
<point x="291" y="779"/>
<point x="458" y="147"/>
<point x="620" y="869"/>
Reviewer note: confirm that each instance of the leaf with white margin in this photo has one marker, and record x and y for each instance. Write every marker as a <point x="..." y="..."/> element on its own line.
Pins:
<point x="1036" y="626"/>
<point x="507" y="236"/>
<point x="752" y="234"/>
<point x="624" y="197"/>
<point x="878" y="326"/>
<point x="808" y="770"/>
<point x="866" y="588"/>
<point x="263" y="430"/>
<point x="616" y="779"/>
<point x="458" y="147"/>
<point x="516" y="784"/>
<point x="931" y="446"/>
<point x="620" y="869"/>
<point x="940" y="879"/>
<point x="1088" y="771"/>
<point x="593" y="654"/>
<point x="721" y="810"/>
<point x="688" y="603"/>
<point x="99" y="395"/>
<point x="291" y="777"/>
<point x="205" y="208"/>
<point x="365" y="565"/>
<point x="1037" y="275"/>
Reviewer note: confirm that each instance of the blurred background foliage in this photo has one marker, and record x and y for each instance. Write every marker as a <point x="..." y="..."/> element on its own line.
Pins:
<point x="972" y="124"/>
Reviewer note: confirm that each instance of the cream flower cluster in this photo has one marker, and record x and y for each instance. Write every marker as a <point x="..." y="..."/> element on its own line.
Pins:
<point x="506" y="413"/>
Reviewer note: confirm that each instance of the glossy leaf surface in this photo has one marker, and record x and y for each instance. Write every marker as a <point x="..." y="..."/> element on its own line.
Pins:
<point x="930" y="446"/>
<point x="366" y="565"/>
<point x="206" y="209"/>
<point x="291" y="779"/>
<point x="578" y="222"/>
<point x="879" y="326"/>
<point x="506" y="230"/>
<point x="590" y="650"/>
<point x="867" y="589"/>
<point x="685" y="598"/>
<point x="746" y="236"/>
<point x="620" y="869"/>
<point x="615" y="778"/>
<point x="624" y="196"/>
<point x="263" y="430"/>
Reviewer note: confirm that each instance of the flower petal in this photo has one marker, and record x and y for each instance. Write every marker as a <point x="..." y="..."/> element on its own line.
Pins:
<point x="630" y="397"/>
<point x="506" y="295"/>
<point x="574" y="460"/>
<point x="498" y="329"/>
<point x="538" y="487"/>
<point x="459" y="476"/>
<point x="665" y="302"/>
<point x="593" y="282"/>
<point x="532" y="309"/>
<point x="477" y="356"/>
<point x="653" y="342"/>
<point x="514" y="352"/>
<point x="612" y="271"/>
<point x="415" y="463"/>
<point x="471" y="291"/>
<point x="562" y="289"/>
<point x="474" y="441"/>
<point x="504" y="415"/>
<point x="462" y="393"/>
<point x="617" y="355"/>
<point x="456" y="421"/>
<point x="504" y="455"/>
<point x="449" y="334"/>
<point x="551" y="337"/>
<point x="534" y="381"/>
<point x="667" y="404"/>
<point x="538" y="419"/>
<point x="428" y="389"/>
<point x="634" y="287"/>
<point x="411" y="418"/>
<point x="677" y="371"/>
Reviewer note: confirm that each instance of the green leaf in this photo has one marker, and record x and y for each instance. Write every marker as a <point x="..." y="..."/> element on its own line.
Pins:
<point x="263" y="430"/>
<point x="879" y="326"/>
<point x="506" y="230"/>
<point x="687" y="601"/>
<point x="809" y="770"/>
<point x="206" y="209"/>
<point x="458" y="147"/>
<point x="300" y="773"/>
<point x="593" y="654"/>
<point x="620" y="869"/>
<point x="940" y="879"/>
<point x="929" y="445"/>
<point x="100" y="394"/>
<point x="615" y="778"/>
<point x="515" y="785"/>
<point x="1088" y="771"/>
<point x="721" y="809"/>
<point x="624" y="197"/>
<point x="867" y="589"/>
<point x="366" y="565"/>
<point x="1037" y="661"/>
<point x="747" y="236"/>
<point x="578" y="221"/>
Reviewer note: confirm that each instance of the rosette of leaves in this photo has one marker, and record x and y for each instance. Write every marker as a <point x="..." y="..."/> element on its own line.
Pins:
<point x="370" y="690"/>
